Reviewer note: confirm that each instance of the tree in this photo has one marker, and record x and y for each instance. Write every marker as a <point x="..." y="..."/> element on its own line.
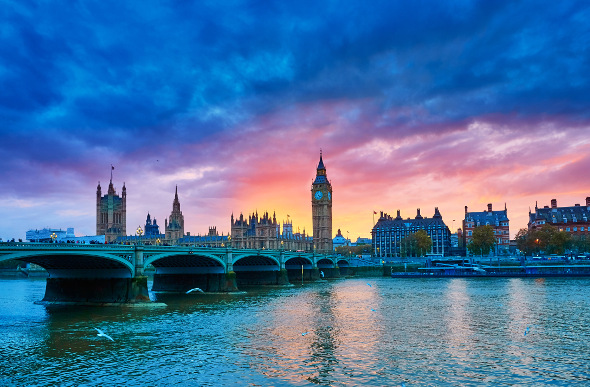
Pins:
<point x="526" y="241"/>
<point x="482" y="240"/>
<point x="546" y="239"/>
<point x="349" y="251"/>
<point x="423" y="242"/>
<point x="408" y="246"/>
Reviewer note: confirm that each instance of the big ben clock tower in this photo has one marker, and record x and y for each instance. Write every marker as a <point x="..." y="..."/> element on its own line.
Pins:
<point x="321" y="208"/>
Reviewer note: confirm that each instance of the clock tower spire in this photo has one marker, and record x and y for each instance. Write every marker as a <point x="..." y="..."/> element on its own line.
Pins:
<point x="321" y="209"/>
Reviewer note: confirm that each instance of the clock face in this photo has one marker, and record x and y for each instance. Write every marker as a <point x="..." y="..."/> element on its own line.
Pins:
<point x="318" y="195"/>
<point x="329" y="196"/>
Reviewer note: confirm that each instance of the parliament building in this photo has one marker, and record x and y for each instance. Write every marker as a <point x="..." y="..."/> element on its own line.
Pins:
<point x="111" y="212"/>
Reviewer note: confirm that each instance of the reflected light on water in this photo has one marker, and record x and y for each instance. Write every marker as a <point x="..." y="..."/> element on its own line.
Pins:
<point x="457" y="321"/>
<point x="412" y="331"/>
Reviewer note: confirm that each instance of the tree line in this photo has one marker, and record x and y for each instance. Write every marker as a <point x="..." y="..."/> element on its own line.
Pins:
<point x="549" y="240"/>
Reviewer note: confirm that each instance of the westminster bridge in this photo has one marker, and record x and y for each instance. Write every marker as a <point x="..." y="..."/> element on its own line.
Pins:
<point x="97" y="273"/>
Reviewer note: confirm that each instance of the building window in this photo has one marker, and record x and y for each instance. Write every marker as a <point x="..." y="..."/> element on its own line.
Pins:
<point x="567" y="229"/>
<point x="468" y="233"/>
<point x="575" y="229"/>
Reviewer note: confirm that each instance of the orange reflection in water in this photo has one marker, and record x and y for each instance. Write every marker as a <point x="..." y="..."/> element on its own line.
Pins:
<point x="457" y="321"/>
<point x="321" y="329"/>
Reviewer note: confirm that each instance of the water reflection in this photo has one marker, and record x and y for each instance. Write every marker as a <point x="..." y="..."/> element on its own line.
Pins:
<point x="417" y="332"/>
<point x="459" y="335"/>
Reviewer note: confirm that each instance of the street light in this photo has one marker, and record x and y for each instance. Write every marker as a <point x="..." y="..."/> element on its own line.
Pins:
<point x="139" y="233"/>
<point x="53" y="237"/>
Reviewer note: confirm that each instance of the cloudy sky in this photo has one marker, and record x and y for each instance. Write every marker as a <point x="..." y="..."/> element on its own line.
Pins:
<point x="414" y="105"/>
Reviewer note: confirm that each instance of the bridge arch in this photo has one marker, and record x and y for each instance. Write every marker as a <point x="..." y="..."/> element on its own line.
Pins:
<point x="185" y="262"/>
<point x="256" y="262"/>
<point x="64" y="263"/>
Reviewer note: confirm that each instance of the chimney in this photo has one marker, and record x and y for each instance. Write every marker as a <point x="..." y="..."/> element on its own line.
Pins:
<point x="588" y="201"/>
<point x="465" y="210"/>
<point x="553" y="203"/>
<point x="489" y="207"/>
<point x="418" y="216"/>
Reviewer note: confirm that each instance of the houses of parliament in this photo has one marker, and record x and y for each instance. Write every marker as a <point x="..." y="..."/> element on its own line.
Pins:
<point x="254" y="231"/>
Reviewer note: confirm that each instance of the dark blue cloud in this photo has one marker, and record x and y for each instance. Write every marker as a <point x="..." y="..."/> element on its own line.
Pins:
<point x="139" y="79"/>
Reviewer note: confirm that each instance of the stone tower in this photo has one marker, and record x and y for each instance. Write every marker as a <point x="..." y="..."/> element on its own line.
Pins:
<point x="321" y="208"/>
<point x="174" y="225"/>
<point x="111" y="212"/>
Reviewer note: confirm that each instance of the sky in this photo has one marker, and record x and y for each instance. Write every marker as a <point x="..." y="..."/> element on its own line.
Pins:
<point x="418" y="104"/>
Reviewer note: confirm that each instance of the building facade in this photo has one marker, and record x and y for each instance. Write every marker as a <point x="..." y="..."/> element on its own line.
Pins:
<point x="111" y="212"/>
<point x="212" y="239"/>
<point x="339" y="240"/>
<point x="174" y="225"/>
<point x="574" y="220"/>
<point x="497" y="219"/>
<point x="265" y="232"/>
<point x="321" y="208"/>
<point x="389" y="234"/>
<point x="151" y="227"/>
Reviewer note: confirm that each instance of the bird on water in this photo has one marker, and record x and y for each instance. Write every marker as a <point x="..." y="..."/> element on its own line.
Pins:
<point x="101" y="333"/>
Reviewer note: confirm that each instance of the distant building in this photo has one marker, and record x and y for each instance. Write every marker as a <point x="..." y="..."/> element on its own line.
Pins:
<point x="174" y="225"/>
<point x="389" y="233"/>
<point x="265" y="232"/>
<point x="340" y="240"/>
<point x="47" y="235"/>
<point x="573" y="220"/>
<point x="151" y="227"/>
<point x="44" y="235"/>
<point x="362" y="241"/>
<point x="212" y="239"/>
<point x="497" y="219"/>
<point x="111" y="212"/>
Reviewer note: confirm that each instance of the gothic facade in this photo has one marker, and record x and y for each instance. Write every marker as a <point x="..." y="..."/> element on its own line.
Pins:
<point x="151" y="227"/>
<point x="111" y="212"/>
<point x="321" y="208"/>
<point x="174" y="225"/>
<point x="265" y="232"/>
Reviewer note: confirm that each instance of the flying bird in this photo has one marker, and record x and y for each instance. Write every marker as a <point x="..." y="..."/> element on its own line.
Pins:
<point x="369" y="284"/>
<point x="101" y="333"/>
<point x="195" y="290"/>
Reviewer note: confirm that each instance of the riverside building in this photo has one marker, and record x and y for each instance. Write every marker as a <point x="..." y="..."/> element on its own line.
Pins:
<point x="497" y="219"/>
<point x="265" y="232"/>
<point x="388" y="234"/>
<point x="574" y="220"/>
<point x="111" y="212"/>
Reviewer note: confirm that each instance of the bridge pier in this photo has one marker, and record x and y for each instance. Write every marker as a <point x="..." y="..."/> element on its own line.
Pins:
<point x="97" y="290"/>
<point x="208" y="282"/>
<point x="263" y="277"/>
<point x="331" y="272"/>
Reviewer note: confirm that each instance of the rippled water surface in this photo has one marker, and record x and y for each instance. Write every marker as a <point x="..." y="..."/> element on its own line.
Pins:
<point x="380" y="332"/>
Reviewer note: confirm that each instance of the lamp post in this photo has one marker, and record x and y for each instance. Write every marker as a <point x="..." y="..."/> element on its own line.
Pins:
<point x="139" y="233"/>
<point x="53" y="237"/>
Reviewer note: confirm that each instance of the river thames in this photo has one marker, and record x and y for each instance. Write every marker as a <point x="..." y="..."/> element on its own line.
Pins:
<point x="353" y="332"/>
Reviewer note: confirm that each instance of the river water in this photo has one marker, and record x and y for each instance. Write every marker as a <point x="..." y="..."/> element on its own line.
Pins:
<point x="353" y="332"/>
